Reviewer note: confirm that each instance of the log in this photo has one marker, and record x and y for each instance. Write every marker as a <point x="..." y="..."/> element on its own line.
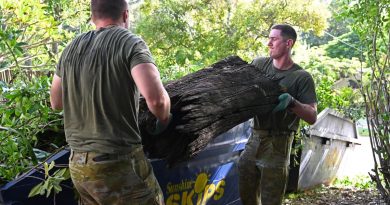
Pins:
<point x="206" y="104"/>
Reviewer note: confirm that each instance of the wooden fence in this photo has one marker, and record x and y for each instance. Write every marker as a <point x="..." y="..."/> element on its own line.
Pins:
<point x="6" y="75"/>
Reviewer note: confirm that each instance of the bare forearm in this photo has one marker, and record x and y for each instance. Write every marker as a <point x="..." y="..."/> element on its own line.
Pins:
<point x="307" y="112"/>
<point x="56" y="93"/>
<point x="161" y="108"/>
<point x="147" y="79"/>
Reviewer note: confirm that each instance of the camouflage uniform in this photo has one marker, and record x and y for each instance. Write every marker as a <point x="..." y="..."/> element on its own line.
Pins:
<point x="101" y="103"/>
<point x="263" y="165"/>
<point x="115" y="179"/>
<point x="266" y="157"/>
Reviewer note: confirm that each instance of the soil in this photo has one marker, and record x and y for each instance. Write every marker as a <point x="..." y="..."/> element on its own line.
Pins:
<point x="335" y="196"/>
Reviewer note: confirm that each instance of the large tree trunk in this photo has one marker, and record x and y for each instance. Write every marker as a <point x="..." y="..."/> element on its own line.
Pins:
<point x="206" y="104"/>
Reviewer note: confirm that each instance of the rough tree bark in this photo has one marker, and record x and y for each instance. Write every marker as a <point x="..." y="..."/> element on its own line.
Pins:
<point x="206" y="104"/>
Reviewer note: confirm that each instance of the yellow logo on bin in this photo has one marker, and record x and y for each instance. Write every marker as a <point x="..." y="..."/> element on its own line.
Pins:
<point x="197" y="192"/>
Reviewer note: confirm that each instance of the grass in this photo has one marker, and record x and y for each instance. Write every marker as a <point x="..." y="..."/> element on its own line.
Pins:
<point x="363" y="132"/>
<point x="355" y="183"/>
<point x="358" y="182"/>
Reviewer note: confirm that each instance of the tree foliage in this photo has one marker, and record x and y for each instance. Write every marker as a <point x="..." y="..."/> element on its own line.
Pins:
<point x="344" y="46"/>
<point x="371" y="21"/>
<point x="33" y="32"/>
<point x="333" y="78"/>
<point x="192" y="34"/>
<point x="337" y="27"/>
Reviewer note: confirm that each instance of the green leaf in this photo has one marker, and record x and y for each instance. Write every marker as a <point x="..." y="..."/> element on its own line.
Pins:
<point x="57" y="188"/>
<point x="35" y="190"/>
<point x="44" y="187"/>
<point x="48" y="191"/>
<point x="60" y="172"/>
<point x="46" y="167"/>
<point x="20" y="44"/>
<point x="51" y="165"/>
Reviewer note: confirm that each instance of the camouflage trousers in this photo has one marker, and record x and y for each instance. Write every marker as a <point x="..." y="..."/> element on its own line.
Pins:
<point x="263" y="167"/>
<point x="111" y="179"/>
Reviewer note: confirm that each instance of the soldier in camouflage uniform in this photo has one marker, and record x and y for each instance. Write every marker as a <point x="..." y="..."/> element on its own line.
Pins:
<point x="98" y="82"/>
<point x="263" y="165"/>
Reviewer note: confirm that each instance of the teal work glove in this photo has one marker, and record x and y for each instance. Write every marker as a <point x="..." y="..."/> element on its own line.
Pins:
<point x="285" y="101"/>
<point x="160" y="127"/>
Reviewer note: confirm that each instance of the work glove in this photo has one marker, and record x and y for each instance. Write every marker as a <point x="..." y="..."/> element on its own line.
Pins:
<point x="285" y="101"/>
<point x="160" y="127"/>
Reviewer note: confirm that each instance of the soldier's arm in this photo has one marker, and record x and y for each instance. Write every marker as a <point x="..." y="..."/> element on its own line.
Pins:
<point x="56" y="93"/>
<point x="147" y="79"/>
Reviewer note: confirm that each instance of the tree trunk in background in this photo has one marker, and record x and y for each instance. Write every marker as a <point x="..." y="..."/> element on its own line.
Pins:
<point x="206" y="104"/>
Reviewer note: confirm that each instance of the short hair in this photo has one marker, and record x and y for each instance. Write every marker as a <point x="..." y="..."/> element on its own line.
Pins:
<point x="102" y="9"/>
<point x="287" y="31"/>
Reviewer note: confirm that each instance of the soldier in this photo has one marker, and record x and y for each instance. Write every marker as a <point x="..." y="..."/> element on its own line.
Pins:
<point x="98" y="81"/>
<point x="263" y="165"/>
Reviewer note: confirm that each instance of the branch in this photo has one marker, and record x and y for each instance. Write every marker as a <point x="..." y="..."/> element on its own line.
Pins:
<point x="39" y="43"/>
<point x="35" y="45"/>
<point x="49" y="123"/>
<point x="33" y="66"/>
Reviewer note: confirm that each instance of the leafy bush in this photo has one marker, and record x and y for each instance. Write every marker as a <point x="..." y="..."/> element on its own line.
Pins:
<point x="327" y="72"/>
<point x="25" y="115"/>
<point x="34" y="32"/>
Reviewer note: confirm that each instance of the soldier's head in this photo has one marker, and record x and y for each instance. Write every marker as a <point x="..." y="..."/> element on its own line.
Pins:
<point x="114" y="10"/>
<point x="286" y="31"/>
<point x="281" y="39"/>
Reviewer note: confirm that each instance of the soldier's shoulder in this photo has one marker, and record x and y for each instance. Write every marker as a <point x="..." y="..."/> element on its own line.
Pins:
<point x="261" y="62"/>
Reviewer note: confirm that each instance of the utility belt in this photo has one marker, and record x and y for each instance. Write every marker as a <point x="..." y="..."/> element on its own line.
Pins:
<point x="99" y="157"/>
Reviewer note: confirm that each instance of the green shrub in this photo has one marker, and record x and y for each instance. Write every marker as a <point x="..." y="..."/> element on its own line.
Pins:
<point x="25" y="114"/>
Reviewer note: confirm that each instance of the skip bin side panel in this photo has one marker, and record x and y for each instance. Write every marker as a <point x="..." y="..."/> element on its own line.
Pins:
<point x="320" y="161"/>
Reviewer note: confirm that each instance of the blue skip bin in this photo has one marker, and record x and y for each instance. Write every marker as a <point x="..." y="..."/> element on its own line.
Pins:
<point x="211" y="178"/>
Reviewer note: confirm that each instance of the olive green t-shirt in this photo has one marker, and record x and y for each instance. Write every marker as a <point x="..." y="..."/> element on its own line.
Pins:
<point x="299" y="84"/>
<point x="100" y="98"/>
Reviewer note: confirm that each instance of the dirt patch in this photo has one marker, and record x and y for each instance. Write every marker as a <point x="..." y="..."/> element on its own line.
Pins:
<point x="335" y="196"/>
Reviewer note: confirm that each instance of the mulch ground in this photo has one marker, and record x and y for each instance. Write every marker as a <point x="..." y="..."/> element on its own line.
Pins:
<point x="335" y="196"/>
